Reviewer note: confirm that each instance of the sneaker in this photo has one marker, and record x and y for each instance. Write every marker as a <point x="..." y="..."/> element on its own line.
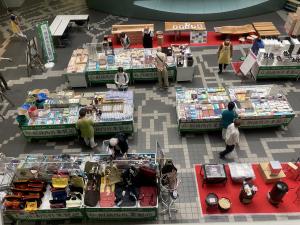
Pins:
<point x="219" y="72"/>
<point x="94" y="146"/>
<point x="8" y="88"/>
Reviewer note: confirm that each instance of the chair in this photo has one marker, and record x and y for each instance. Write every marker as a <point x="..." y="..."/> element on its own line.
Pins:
<point x="168" y="195"/>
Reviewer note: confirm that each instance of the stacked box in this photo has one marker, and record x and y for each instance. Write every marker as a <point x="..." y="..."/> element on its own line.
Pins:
<point x="291" y="22"/>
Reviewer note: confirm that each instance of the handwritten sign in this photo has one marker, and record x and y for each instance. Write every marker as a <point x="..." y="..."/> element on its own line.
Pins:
<point x="179" y="26"/>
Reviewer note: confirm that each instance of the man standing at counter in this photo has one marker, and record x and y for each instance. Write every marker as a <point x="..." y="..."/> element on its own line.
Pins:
<point x="228" y="116"/>
<point x="162" y="72"/>
<point x="86" y="128"/>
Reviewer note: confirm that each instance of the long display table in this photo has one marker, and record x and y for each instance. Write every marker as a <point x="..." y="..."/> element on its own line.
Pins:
<point x="108" y="76"/>
<point x="59" y="114"/>
<point x="94" y="65"/>
<point x="69" y="130"/>
<point x="261" y="72"/>
<point x="257" y="107"/>
<point x="82" y="212"/>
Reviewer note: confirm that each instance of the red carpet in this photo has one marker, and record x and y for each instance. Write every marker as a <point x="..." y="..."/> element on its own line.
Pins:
<point x="213" y="39"/>
<point x="259" y="205"/>
<point x="236" y="67"/>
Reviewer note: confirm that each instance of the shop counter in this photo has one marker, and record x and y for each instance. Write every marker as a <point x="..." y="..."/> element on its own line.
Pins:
<point x="150" y="74"/>
<point x="246" y="123"/>
<point x="108" y="76"/>
<point x="261" y="72"/>
<point x="200" y="110"/>
<point x="100" y="77"/>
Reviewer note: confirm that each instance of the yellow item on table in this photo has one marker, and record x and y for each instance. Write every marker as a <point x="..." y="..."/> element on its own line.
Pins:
<point x="15" y="27"/>
<point x="31" y="206"/>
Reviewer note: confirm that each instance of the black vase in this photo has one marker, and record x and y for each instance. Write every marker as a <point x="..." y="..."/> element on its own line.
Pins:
<point x="277" y="193"/>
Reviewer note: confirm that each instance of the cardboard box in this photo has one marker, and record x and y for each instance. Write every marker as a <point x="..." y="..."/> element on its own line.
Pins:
<point x="291" y="22"/>
<point x="275" y="167"/>
<point x="266" y="173"/>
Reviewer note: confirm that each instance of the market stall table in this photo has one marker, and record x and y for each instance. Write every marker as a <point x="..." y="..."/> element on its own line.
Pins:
<point x="60" y="113"/>
<point x="275" y="60"/>
<point x="260" y="106"/>
<point x="79" y="164"/>
<point x="258" y="205"/>
<point x="198" y="33"/>
<point x="235" y="30"/>
<point x="184" y="61"/>
<point x="61" y="22"/>
<point x="138" y="63"/>
<point x="266" y="29"/>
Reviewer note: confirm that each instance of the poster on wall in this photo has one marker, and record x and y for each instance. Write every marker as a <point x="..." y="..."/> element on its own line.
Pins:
<point x="46" y="41"/>
<point x="198" y="37"/>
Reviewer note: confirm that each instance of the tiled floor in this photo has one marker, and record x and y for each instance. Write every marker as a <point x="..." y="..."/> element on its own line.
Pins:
<point x="155" y="117"/>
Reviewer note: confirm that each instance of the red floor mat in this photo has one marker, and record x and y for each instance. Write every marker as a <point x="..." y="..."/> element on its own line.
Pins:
<point x="213" y="39"/>
<point x="259" y="205"/>
<point x="236" y="67"/>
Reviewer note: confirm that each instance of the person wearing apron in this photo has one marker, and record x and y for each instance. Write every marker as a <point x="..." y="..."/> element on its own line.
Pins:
<point x="224" y="55"/>
<point x="15" y="24"/>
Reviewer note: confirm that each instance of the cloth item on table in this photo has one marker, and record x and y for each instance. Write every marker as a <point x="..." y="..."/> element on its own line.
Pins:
<point x="148" y="196"/>
<point x="91" y="196"/>
<point x="107" y="194"/>
<point x="126" y="196"/>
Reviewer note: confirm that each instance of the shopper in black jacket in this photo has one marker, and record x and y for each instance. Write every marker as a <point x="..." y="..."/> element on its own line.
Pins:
<point x="147" y="38"/>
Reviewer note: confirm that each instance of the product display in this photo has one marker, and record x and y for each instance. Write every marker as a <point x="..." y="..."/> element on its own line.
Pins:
<point x="56" y="114"/>
<point x="78" y="61"/>
<point x="241" y="171"/>
<point x="200" y="109"/>
<point x="265" y="100"/>
<point x="200" y="103"/>
<point x="86" y="183"/>
<point x="278" y="59"/>
<point x="126" y="58"/>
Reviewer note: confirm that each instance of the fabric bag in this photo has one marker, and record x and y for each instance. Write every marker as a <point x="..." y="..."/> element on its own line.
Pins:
<point x="147" y="176"/>
<point x="77" y="181"/>
<point x="59" y="194"/>
<point x="74" y="200"/>
<point x="107" y="194"/>
<point x="60" y="181"/>
<point x="112" y="175"/>
<point x="91" y="196"/>
<point x="31" y="206"/>
<point x="148" y="196"/>
<point x="88" y="168"/>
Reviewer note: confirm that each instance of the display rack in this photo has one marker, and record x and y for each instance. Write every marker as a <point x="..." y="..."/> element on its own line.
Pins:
<point x="200" y="109"/>
<point x="59" y="115"/>
<point x="77" y="162"/>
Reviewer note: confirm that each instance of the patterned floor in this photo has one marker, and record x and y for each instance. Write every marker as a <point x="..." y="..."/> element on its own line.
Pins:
<point x="155" y="117"/>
